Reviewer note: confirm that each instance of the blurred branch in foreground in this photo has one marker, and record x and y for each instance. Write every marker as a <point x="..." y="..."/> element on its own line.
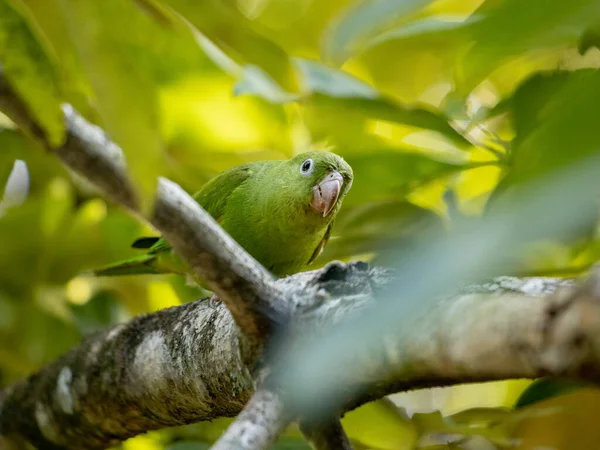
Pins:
<point x="183" y="364"/>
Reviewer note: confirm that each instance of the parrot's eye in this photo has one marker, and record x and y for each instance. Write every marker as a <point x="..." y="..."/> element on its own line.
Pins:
<point x="307" y="167"/>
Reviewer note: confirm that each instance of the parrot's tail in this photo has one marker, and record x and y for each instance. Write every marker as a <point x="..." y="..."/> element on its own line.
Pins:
<point x="135" y="266"/>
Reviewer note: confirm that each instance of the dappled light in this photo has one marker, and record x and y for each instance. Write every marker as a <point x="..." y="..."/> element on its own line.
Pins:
<point x="470" y="128"/>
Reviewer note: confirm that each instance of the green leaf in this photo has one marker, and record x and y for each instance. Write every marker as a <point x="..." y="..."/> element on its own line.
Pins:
<point x="360" y="22"/>
<point x="545" y="388"/>
<point x="382" y="425"/>
<point x="386" y="109"/>
<point x="109" y="37"/>
<point x="30" y="72"/>
<point x="382" y="174"/>
<point x="554" y="117"/>
<point x="555" y="120"/>
<point x="590" y="39"/>
<point x="445" y="25"/>
<point x="377" y="227"/>
<point x="291" y="444"/>
<point x="513" y="27"/>
<point x="319" y="78"/>
<point x="337" y="89"/>
<point x="239" y="38"/>
<point x="189" y="445"/>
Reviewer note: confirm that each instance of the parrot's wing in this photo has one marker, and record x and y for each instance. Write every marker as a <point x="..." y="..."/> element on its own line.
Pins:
<point x="212" y="197"/>
<point x="321" y="245"/>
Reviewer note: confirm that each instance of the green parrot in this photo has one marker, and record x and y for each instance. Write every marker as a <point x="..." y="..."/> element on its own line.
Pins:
<point x="281" y="212"/>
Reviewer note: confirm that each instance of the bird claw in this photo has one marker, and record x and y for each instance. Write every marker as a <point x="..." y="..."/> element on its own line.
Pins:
<point x="214" y="302"/>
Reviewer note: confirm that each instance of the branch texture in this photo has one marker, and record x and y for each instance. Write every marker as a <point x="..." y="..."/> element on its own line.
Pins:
<point x="258" y="425"/>
<point x="184" y="364"/>
<point x="328" y="435"/>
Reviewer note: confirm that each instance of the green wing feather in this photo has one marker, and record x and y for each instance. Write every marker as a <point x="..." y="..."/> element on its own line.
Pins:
<point x="321" y="245"/>
<point x="212" y="197"/>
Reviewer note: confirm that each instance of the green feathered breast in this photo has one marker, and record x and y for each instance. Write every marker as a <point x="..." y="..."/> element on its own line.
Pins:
<point x="281" y="212"/>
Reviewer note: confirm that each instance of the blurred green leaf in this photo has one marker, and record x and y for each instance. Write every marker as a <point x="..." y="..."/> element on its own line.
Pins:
<point x="389" y="111"/>
<point x="189" y="445"/>
<point x="107" y="36"/>
<point x="234" y="34"/>
<point x="30" y="71"/>
<point x="545" y="388"/>
<point x="375" y="227"/>
<point x="590" y="39"/>
<point x="381" y="425"/>
<point x="561" y="422"/>
<point x="102" y="310"/>
<point x="362" y="20"/>
<point x="291" y="444"/>
<point x="338" y="90"/>
<point x="382" y="174"/>
<point x="319" y="78"/>
<point x="511" y="27"/>
<point x="554" y="120"/>
<point x="430" y="27"/>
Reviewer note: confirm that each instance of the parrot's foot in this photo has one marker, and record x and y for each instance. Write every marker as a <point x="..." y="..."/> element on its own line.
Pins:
<point x="214" y="301"/>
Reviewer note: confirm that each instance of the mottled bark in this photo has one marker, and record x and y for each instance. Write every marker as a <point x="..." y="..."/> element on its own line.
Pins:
<point x="258" y="425"/>
<point x="328" y="435"/>
<point x="216" y="258"/>
<point x="177" y="366"/>
<point x="184" y="364"/>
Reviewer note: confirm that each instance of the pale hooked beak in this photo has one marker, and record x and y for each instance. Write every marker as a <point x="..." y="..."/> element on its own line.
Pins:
<point x="326" y="193"/>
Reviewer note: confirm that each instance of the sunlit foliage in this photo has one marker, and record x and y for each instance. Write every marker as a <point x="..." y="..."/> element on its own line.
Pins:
<point x="441" y="107"/>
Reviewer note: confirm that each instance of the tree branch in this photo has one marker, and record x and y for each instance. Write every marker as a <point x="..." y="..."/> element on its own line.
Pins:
<point x="239" y="280"/>
<point x="328" y="435"/>
<point x="184" y="364"/>
<point x="258" y="425"/>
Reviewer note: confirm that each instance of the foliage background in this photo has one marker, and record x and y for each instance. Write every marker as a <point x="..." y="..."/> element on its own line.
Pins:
<point x="441" y="107"/>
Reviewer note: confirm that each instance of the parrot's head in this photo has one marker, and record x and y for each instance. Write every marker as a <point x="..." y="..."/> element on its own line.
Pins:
<point x="323" y="178"/>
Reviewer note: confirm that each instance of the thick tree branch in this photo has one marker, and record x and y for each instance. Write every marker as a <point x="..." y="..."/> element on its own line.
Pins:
<point x="328" y="435"/>
<point x="184" y="364"/>
<point x="258" y="425"/>
<point x="239" y="280"/>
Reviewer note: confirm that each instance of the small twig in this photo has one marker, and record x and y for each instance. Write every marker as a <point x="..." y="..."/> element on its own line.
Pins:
<point x="257" y="427"/>
<point x="89" y="152"/>
<point x="326" y="436"/>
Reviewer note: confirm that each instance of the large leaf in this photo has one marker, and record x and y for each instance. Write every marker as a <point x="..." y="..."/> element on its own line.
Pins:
<point x="29" y="70"/>
<point x="555" y="120"/>
<point x="231" y="31"/>
<point x="361" y="21"/>
<point x="563" y="422"/>
<point x="381" y="425"/>
<point x="387" y="110"/>
<point x="337" y="90"/>
<point x="383" y="174"/>
<point x="377" y="227"/>
<point x="109" y="36"/>
<point x="512" y="27"/>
